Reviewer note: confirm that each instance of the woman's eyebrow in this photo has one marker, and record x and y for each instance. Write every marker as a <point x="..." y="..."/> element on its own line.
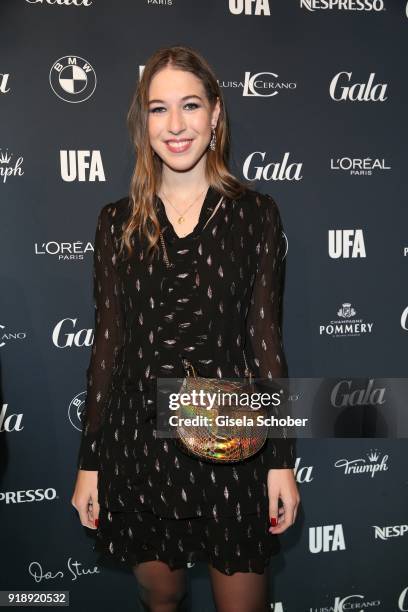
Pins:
<point x="183" y="98"/>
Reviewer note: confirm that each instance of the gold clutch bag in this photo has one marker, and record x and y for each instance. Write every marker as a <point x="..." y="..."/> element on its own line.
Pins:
<point x="219" y="433"/>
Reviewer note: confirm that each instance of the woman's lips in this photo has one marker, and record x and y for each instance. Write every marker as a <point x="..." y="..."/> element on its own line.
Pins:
<point x="180" y="147"/>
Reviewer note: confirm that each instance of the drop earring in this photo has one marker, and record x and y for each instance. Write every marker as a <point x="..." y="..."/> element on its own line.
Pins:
<point x="213" y="140"/>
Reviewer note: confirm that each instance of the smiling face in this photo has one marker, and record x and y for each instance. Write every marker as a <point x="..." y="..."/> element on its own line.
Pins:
<point x="180" y="118"/>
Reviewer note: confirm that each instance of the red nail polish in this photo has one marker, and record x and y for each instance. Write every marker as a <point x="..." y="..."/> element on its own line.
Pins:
<point x="274" y="521"/>
<point x="96" y="522"/>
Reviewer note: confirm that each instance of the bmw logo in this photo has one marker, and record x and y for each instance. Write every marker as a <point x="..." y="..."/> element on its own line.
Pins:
<point x="72" y="79"/>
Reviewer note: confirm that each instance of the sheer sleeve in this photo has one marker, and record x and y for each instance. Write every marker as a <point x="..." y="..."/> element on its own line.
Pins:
<point x="108" y="328"/>
<point x="264" y="321"/>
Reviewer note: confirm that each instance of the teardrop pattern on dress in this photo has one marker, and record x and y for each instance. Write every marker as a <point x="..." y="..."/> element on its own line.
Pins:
<point x="227" y="280"/>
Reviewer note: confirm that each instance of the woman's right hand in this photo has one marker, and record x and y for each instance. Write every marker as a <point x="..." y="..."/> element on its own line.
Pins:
<point x="85" y="498"/>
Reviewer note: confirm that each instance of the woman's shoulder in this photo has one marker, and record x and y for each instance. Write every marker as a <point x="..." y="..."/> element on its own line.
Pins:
<point x="265" y="205"/>
<point x="116" y="212"/>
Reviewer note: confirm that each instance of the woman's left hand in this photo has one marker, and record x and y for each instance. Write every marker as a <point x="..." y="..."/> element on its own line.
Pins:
<point x="282" y="484"/>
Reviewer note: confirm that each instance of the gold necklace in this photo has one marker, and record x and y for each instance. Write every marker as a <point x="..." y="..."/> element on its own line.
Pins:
<point x="181" y="218"/>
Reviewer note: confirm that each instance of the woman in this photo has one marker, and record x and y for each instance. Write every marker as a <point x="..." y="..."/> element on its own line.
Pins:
<point x="153" y="506"/>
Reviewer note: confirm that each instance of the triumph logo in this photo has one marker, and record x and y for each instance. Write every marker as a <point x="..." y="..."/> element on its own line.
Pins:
<point x="361" y="466"/>
<point x="72" y="79"/>
<point x="346" y="243"/>
<point x="258" y="85"/>
<point x="6" y="168"/>
<point x="340" y="329"/>
<point x="341" y="90"/>
<point x="344" y="5"/>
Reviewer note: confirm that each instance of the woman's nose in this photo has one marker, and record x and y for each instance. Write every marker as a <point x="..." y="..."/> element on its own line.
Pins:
<point x="176" y="121"/>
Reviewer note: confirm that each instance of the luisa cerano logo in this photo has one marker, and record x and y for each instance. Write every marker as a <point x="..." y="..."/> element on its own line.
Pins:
<point x="346" y="243"/>
<point x="249" y="7"/>
<point x="259" y="85"/>
<point x="343" y="89"/>
<point x="8" y="167"/>
<point x="348" y="603"/>
<point x="72" y="79"/>
<point x="10" y="336"/>
<point x="81" y="166"/>
<point x="347" y="325"/>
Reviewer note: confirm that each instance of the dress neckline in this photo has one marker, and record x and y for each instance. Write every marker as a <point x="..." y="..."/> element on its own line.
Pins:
<point x="211" y="199"/>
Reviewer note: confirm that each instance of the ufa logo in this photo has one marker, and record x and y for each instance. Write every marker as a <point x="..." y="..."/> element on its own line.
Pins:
<point x="326" y="538"/>
<point x="72" y="79"/>
<point x="249" y="7"/>
<point x="346" y="243"/>
<point x="81" y="166"/>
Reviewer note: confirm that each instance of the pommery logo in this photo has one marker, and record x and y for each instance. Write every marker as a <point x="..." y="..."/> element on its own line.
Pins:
<point x="72" y="79"/>
<point x="340" y="328"/>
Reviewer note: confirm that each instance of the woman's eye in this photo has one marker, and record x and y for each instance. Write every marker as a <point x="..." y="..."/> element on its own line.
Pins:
<point x="158" y="108"/>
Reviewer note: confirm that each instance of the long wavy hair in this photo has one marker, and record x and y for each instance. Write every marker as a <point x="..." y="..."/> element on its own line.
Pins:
<point x="147" y="172"/>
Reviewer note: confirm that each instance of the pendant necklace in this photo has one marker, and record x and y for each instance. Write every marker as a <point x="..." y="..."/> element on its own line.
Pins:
<point x="181" y="218"/>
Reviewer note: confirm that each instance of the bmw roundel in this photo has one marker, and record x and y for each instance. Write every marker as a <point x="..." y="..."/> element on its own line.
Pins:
<point x="72" y="78"/>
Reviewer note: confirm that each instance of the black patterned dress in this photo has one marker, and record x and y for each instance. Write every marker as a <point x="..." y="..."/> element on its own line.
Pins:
<point x="222" y="296"/>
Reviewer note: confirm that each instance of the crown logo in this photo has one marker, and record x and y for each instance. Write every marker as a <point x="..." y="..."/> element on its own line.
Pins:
<point x="373" y="456"/>
<point x="4" y="158"/>
<point x="346" y="311"/>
